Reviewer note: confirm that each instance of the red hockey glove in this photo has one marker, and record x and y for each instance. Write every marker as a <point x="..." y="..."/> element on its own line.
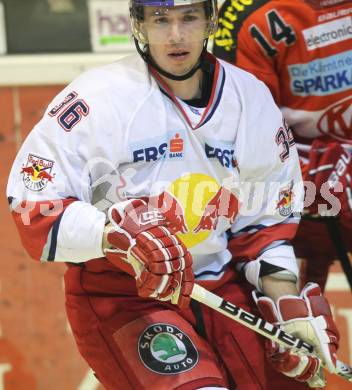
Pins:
<point x="330" y="169"/>
<point x="309" y="318"/>
<point x="161" y="263"/>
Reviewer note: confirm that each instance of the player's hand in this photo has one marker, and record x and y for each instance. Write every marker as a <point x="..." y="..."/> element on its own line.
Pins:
<point x="162" y="265"/>
<point x="309" y="318"/>
<point x="330" y="169"/>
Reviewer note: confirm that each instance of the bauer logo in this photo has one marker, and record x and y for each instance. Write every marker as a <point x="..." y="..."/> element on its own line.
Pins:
<point x="165" y="349"/>
<point x="37" y="172"/>
<point x="328" y="33"/>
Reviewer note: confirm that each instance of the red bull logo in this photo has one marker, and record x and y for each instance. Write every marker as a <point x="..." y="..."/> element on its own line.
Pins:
<point x="37" y="172"/>
<point x="194" y="205"/>
<point x="284" y="205"/>
<point x="223" y="204"/>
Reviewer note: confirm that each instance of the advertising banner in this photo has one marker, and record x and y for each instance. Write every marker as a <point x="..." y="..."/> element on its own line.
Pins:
<point x="110" y="26"/>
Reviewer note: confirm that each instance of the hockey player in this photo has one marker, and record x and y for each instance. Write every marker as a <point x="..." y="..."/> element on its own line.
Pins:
<point x="134" y="176"/>
<point x="302" y="51"/>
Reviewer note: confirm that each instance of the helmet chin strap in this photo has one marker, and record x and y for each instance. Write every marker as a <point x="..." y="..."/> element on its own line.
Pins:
<point x="149" y="60"/>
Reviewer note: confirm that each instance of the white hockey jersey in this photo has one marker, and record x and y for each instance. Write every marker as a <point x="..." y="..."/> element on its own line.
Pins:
<point x="227" y="175"/>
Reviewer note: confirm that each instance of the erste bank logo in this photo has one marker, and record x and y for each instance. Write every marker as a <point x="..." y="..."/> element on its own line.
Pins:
<point x="222" y="151"/>
<point x="172" y="148"/>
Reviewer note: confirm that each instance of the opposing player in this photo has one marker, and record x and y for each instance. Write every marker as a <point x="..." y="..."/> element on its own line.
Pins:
<point x="302" y="51"/>
<point x="134" y="176"/>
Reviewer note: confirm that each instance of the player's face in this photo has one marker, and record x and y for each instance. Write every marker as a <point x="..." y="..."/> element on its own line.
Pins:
<point x="176" y="36"/>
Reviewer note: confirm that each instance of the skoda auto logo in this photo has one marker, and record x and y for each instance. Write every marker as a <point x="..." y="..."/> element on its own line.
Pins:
<point x="165" y="349"/>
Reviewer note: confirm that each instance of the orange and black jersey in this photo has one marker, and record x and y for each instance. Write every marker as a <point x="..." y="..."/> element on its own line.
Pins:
<point x="304" y="55"/>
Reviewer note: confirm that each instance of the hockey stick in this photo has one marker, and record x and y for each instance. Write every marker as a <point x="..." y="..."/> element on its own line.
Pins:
<point x="257" y="324"/>
<point x="261" y="326"/>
